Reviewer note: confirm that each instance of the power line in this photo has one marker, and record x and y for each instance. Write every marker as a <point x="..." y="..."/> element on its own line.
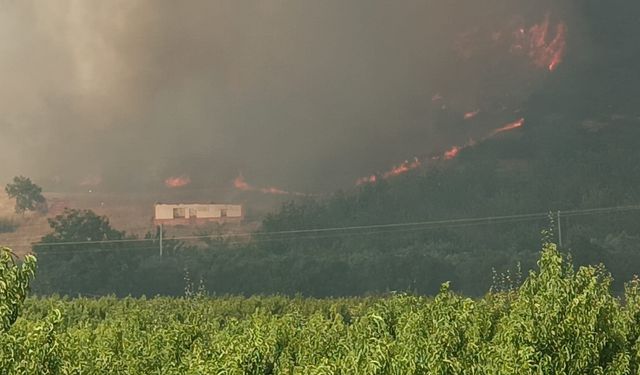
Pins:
<point x="401" y="230"/>
<point x="421" y="225"/>
<point x="306" y="237"/>
<point x="593" y="211"/>
<point x="84" y="251"/>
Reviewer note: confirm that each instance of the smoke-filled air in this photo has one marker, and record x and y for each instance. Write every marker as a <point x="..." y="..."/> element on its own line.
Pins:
<point x="271" y="187"/>
<point x="308" y="96"/>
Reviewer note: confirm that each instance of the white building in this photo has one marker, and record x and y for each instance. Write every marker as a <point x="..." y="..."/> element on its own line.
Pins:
<point x="181" y="214"/>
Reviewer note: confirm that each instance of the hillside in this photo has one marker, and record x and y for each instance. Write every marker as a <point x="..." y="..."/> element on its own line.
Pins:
<point x="561" y="159"/>
<point x="571" y="146"/>
<point x="556" y="162"/>
<point x="577" y="151"/>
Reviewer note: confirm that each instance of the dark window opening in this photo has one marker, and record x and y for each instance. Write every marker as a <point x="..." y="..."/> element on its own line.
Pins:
<point x="179" y="213"/>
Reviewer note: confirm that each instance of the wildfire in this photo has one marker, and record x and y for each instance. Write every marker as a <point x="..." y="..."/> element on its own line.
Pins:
<point x="397" y="170"/>
<point x="177" y="182"/>
<point x="472" y="114"/>
<point x="510" y="126"/>
<point x="405" y="167"/>
<point x="367" y="180"/>
<point x="544" y="49"/>
<point x="452" y="152"/>
<point x="545" y="53"/>
<point x="240" y="184"/>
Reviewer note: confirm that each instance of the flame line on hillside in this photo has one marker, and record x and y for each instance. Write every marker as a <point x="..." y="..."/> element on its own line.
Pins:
<point x="177" y="181"/>
<point x="396" y="170"/>
<point x="450" y="154"/>
<point x="508" y="127"/>
<point x="471" y="115"/>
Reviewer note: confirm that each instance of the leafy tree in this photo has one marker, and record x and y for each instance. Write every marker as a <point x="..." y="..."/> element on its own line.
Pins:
<point x="14" y="286"/>
<point x="74" y="256"/>
<point x="27" y="194"/>
<point x="81" y="226"/>
<point x="85" y="255"/>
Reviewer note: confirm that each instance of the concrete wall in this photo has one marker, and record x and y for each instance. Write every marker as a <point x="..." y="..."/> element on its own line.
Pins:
<point x="198" y="211"/>
<point x="164" y="212"/>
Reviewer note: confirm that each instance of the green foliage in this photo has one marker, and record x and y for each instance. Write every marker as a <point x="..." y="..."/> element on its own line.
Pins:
<point x="27" y="194"/>
<point x="554" y="163"/>
<point x="560" y="320"/>
<point x="563" y="322"/>
<point x="82" y="226"/>
<point x="14" y="286"/>
<point x="85" y="255"/>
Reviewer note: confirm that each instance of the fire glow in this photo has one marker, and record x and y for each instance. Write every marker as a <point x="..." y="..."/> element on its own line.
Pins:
<point x="472" y="114"/>
<point x="452" y="152"/>
<point x="367" y="180"/>
<point x="405" y="167"/>
<point x="240" y="184"/>
<point x="402" y="168"/>
<point x="177" y="182"/>
<point x="510" y="126"/>
<point x="544" y="49"/>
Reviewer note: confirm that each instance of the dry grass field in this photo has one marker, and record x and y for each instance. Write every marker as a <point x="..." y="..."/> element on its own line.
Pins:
<point x="31" y="227"/>
<point x="131" y="212"/>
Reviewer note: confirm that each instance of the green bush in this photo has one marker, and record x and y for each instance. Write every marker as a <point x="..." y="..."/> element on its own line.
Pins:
<point x="560" y="320"/>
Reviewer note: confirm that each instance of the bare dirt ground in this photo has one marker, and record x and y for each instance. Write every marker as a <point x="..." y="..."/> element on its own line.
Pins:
<point x="31" y="227"/>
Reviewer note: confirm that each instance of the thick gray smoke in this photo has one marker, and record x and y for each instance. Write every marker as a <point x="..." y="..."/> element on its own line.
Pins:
<point x="306" y="95"/>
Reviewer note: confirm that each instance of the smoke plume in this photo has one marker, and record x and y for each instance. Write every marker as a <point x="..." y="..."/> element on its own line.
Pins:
<point x="303" y="95"/>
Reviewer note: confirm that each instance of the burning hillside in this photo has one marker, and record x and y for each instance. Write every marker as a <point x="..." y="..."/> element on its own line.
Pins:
<point x="177" y="182"/>
<point x="381" y="92"/>
<point x="542" y="43"/>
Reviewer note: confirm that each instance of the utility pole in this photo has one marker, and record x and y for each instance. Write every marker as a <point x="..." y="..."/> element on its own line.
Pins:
<point x="559" y="230"/>
<point x="161" y="234"/>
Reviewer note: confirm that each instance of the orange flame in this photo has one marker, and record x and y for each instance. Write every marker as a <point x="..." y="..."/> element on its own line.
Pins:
<point x="366" y="180"/>
<point x="405" y="167"/>
<point x="535" y="42"/>
<point x="558" y="47"/>
<point x="510" y="126"/>
<point x="240" y="184"/>
<point x="472" y="114"/>
<point x="452" y="153"/>
<point x="397" y="170"/>
<point x="177" y="182"/>
<point x="543" y="53"/>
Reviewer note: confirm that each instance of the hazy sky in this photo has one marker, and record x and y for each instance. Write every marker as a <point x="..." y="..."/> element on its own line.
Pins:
<point x="306" y="95"/>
